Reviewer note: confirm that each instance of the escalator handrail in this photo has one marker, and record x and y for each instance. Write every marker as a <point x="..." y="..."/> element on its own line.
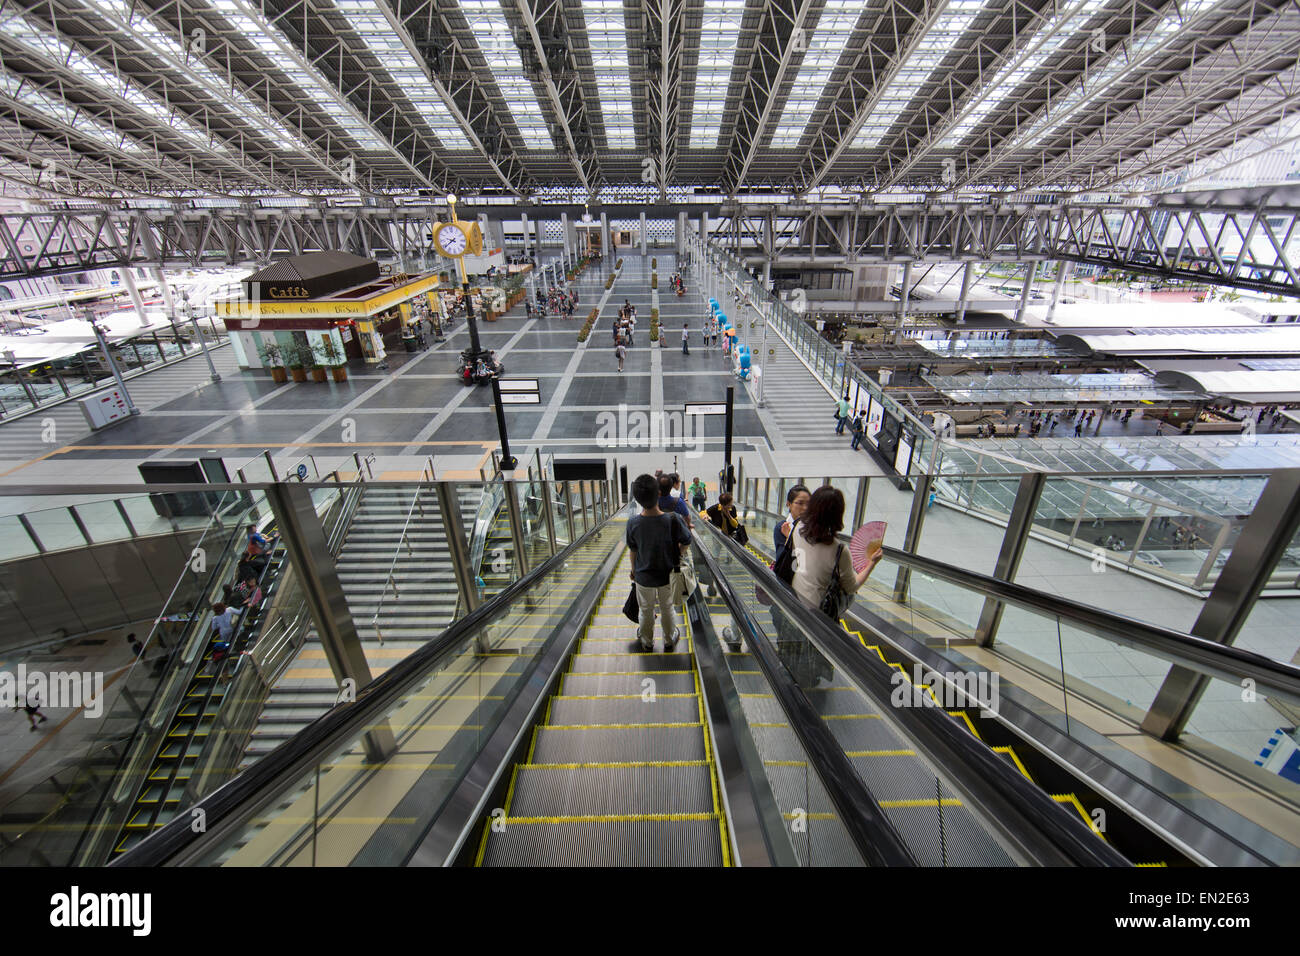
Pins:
<point x="1043" y="831"/>
<point x="872" y="833"/>
<point x="286" y="762"/>
<point x="1223" y="661"/>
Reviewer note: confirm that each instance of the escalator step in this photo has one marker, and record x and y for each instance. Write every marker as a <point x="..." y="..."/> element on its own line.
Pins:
<point x="662" y="709"/>
<point x="962" y="841"/>
<point x="609" y="789"/>
<point x="617" y="745"/>
<point x="599" y="663"/>
<point x="675" y="682"/>
<point x="626" y="843"/>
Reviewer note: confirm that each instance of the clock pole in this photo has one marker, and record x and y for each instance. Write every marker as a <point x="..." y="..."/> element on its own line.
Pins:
<point x="508" y="461"/>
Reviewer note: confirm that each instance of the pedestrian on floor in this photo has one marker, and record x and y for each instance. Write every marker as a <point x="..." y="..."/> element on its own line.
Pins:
<point x="699" y="494"/>
<point x="620" y="351"/>
<point x="33" y="707"/>
<point x="686" y="339"/>
<point x="657" y="543"/>
<point x="841" y="414"/>
<point x="859" y="429"/>
<point x="1078" y="428"/>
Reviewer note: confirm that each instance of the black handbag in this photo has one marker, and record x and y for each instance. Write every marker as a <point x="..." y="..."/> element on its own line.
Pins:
<point x="631" y="609"/>
<point x="783" y="566"/>
<point x="740" y="535"/>
<point x="834" y="599"/>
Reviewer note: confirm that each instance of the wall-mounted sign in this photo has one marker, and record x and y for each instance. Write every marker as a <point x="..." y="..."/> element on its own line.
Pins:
<point x="700" y="408"/>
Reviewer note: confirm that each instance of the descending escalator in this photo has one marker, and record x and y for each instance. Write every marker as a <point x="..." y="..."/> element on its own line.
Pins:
<point x="530" y="733"/>
<point x="618" y="773"/>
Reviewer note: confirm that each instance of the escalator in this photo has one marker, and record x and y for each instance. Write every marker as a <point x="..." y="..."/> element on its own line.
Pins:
<point x="1120" y="786"/>
<point x="529" y="733"/>
<point x="619" y="770"/>
<point x="180" y="749"/>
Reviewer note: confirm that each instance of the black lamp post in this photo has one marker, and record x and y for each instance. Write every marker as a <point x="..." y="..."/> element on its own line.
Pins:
<point x="508" y="461"/>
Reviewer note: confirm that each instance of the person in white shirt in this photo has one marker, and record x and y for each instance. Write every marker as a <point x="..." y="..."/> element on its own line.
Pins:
<point x="818" y="555"/>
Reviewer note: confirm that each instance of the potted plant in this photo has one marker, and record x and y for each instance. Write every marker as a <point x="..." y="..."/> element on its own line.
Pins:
<point x="273" y="356"/>
<point x="334" y="359"/>
<point x="297" y="365"/>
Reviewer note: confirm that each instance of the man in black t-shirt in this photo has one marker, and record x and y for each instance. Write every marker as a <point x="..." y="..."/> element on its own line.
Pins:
<point x="657" y="542"/>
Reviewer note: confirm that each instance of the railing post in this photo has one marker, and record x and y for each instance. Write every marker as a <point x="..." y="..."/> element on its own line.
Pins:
<point x="548" y="515"/>
<point x="1269" y="531"/>
<point x="270" y="463"/>
<point x="31" y="533"/>
<point x="568" y="511"/>
<point x="458" y="546"/>
<point x="915" y="519"/>
<point x="516" y="526"/>
<point x="582" y="496"/>
<point x="121" y="510"/>
<point x="860" y="509"/>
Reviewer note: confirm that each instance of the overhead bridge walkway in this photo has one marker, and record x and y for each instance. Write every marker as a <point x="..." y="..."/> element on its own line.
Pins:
<point x="531" y="733"/>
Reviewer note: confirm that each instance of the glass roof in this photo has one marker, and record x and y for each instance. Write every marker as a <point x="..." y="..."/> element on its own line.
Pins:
<point x="1120" y="61"/>
<point x="271" y="42"/>
<point x="1054" y="36"/>
<point x="825" y="46"/>
<point x="39" y="41"/>
<point x="252" y="113"/>
<point x="59" y="111"/>
<point x="920" y="68"/>
<point x="377" y="33"/>
<point x="718" y="36"/>
<point x="608" y="39"/>
<point x="492" y="31"/>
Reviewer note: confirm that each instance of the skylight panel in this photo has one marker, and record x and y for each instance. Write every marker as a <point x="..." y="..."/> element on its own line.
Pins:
<point x="1022" y="67"/>
<point x="825" y="47"/>
<point x="59" y="111"/>
<point x="719" y="34"/>
<point x="1092" y="85"/>
<point x="311" y="84"/>
<point x="488" y="23"/>
<point x="377" y="34"/>
<point x="918" y="70"/>
<point x="251" y="112"/>
<point x="119" y="86"/>
<point x="607" y="38"/>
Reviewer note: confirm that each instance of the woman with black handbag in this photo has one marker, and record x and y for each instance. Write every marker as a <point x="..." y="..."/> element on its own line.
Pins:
<point x="823" y="579"/>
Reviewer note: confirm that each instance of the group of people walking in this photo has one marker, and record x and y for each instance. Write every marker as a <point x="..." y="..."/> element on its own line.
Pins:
<point x="554" y="301"/>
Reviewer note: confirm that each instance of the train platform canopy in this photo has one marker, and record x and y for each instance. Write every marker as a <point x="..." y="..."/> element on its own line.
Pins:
<point x="1138" y="316"/>
<point x="1087" y="389"/>
<point x="56" y="340"/>
<point x="1240" y="385"/>
<point x="1253" y="339"/>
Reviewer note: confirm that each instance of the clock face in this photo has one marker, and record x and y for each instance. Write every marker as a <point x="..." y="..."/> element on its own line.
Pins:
<point x="452" y="239"/>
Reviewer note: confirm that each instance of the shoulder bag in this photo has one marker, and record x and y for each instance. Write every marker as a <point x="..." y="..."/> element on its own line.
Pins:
<point x="834" y="599"/>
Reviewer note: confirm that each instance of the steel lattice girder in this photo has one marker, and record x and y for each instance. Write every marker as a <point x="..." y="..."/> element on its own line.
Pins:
<point x="779" y="45"/>
<point x="1140" y="60"/>
<point x="1240" y="88"/>
<point x="544" y="25"/>
<point x="1248" y="244"/>
<point x="148" y="59"/>
<point x="665" y="32"/>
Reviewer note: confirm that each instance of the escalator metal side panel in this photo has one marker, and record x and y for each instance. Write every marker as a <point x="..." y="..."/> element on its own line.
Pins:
<point x="746" y="794"/>
<point x="464" y="807"/>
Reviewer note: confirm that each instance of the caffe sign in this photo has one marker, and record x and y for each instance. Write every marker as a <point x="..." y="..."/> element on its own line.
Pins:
<point x="286" y="292"/>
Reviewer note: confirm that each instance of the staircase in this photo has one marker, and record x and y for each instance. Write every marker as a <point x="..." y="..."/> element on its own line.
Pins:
<point x="393" y="618"/>
<point x="802" y="409"/>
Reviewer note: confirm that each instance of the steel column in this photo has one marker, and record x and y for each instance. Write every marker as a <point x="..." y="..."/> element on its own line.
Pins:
<point x="308" y="546"/>
<point x="1019" y="524"/>
<point x="915" y="520"/>
<point x="1269" y="531"/>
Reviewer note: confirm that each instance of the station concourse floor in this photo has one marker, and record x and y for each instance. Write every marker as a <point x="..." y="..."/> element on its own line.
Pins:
<point x="416" y="408"/>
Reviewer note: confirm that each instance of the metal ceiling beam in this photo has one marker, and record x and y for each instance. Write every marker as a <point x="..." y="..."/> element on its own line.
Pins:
<point x="1195" y="238"/>
<point x="874" y="69"/>
<point x="543" y="22"/>
<point x="779" y="45"/>
<point x="1193" y="31"/>
<point x="665" y="40"/>
<point x="472" y="100"/>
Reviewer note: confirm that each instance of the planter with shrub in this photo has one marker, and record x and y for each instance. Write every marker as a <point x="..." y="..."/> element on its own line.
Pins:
<point x="273" y="356"/>
<point x="654" y="280"/>
<point x="333" y="359"/>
